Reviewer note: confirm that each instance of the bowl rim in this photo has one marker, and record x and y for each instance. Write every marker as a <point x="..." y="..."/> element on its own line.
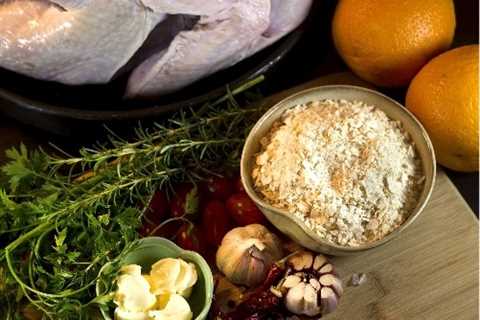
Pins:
<point x="283" y="104"/>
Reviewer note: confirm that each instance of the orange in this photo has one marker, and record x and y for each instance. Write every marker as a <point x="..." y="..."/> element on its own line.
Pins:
<point x="444" y="97"/>
<point x="387" y="42"/>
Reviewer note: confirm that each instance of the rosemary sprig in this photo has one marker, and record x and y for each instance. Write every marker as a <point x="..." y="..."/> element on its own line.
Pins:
<point x="64" y="217"/>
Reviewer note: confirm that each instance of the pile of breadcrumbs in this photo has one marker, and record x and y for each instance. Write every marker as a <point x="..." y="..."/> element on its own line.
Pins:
<point x="343" y="167"/>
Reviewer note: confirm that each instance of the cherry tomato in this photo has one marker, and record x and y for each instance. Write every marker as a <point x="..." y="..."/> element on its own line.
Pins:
<point x="190" y="238"/>
<point x="210" y="255"/>
<point x="239" y="185"/>
<point x="158" y="208"/>
<point x="215" y="222"/>
<point x="185" y="201"/>
<point x="243" y="210"/>
<point x="218" y="188"/>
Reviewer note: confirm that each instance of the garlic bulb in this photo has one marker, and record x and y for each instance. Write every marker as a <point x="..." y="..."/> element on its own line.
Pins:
<point x="247" y="253"/>
<point x="310" y="286"/>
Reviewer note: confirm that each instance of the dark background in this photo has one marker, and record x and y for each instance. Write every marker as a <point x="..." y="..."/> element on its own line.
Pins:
<point x="314" y="56"/>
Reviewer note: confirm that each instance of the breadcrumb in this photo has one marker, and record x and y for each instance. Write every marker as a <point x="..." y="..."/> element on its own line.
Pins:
<point x="343" y="167"/>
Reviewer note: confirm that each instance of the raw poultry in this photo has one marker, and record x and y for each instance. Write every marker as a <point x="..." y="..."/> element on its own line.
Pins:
<point x="165" y="44"/>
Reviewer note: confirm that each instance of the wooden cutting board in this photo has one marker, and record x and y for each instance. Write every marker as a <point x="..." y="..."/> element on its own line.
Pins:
<point x="430" y="272"/>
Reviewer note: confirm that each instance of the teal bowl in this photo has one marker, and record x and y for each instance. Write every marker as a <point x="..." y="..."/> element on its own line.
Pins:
<point x="151" y="249"/>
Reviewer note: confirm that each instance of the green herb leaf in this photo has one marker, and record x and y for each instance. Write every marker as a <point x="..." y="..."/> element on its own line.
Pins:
<point x="66" y="221"/>
<point x="60" y="239"/>
<point x="192" y="201"/>
<point x="104" y="219"/>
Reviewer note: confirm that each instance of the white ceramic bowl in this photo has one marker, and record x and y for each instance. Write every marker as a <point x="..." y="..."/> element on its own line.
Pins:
<point x="294" y="227"/>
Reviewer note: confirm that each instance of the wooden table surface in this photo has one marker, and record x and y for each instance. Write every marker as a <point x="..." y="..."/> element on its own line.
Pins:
<point x="430" y="272"/>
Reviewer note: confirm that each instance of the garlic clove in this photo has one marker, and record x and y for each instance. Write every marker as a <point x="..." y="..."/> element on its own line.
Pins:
<point x="358" y="279"/>
<point x="328" y="268"/>
<point x="329" y="280"/>
<point x="302" y="260"/>
<point x="329" y="300"/>
<point x="311" y="307"/>
<point x="256" y="270"/>
<point x="291" y="281"/>
<point x="230" y="260"/>
<point x="251" y="268"/>
<point x="277" y="293"/>
<point x="294" y="300"/>
<point x="320" y="260"/>
<point x="315" y="284"/>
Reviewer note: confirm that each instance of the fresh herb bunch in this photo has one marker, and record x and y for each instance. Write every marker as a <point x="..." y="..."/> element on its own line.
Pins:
<point x="65" y="220"/>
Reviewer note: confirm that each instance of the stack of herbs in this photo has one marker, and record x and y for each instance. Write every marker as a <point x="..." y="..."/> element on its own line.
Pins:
<point x="64" y="220"/>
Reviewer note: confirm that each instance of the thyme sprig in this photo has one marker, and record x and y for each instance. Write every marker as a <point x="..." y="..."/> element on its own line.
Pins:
<point x="66" y="220"/>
